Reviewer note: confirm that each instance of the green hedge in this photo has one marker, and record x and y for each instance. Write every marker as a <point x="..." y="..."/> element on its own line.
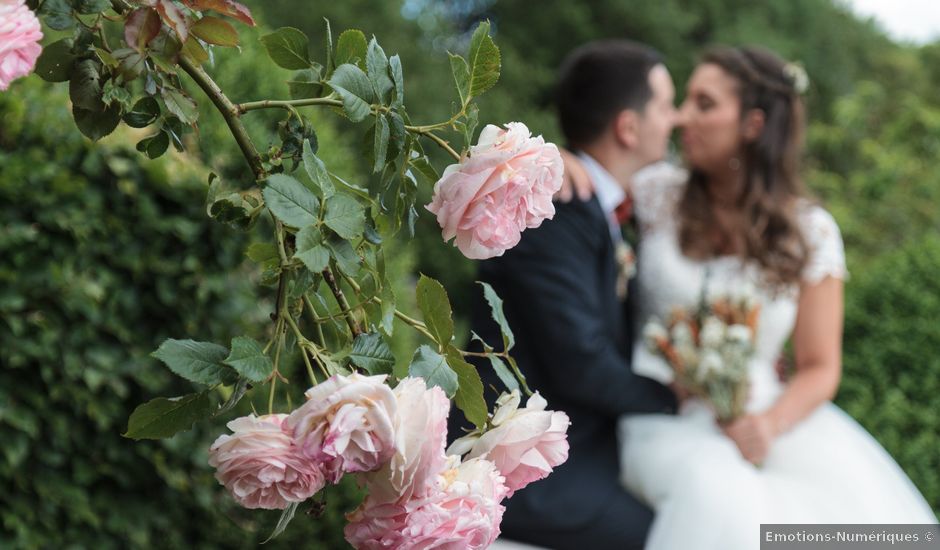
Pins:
<point x="891" y="381"/>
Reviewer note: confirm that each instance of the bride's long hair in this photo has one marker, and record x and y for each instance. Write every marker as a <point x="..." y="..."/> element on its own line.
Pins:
<point x="769" y="229"/>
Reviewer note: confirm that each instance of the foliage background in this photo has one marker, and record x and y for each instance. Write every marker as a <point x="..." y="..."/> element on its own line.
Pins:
<point x="104" y="254"/>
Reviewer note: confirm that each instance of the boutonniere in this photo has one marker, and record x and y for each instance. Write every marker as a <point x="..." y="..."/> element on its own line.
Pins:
<point x="626" y="266"/>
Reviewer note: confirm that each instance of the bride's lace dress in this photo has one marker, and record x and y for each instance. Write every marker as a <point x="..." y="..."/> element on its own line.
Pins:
<point x="827" y="469"/>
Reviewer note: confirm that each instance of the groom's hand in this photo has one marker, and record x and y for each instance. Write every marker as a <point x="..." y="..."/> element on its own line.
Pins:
<point x="753" y="434"/>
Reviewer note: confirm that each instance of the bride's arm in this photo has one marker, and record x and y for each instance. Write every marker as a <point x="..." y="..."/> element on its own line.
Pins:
<point x="817" y="339"/>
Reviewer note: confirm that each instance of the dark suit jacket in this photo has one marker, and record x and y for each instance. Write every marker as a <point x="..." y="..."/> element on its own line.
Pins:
<point x="573" y="345"/>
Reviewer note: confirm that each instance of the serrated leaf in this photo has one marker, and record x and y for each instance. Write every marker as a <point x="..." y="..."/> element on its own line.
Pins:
<point x="199" y="362"/>
<point x="180" y="104"/>
<point x="398" y="79"/>
<point x="370" y="352"/>
<point x="57" y="14"/>
<point x="261" y="252"/>
<point x="174" y="18"/>
<point x="85" y="86"/>
<point x="143" y="113"/>
<point x="355" y="89"/>
<point x="291" y="201"/>
<point x="435" y="307"/>
<point x="484" y="61"/>
<point x="164" y="417"/>
<point x="502" y="371"/>
<point x="55" y="62"/>
<point x="380" y="150"/>
<point x="433" y="368"/>
<point x="142" y="26"/>
<point x="469" y="396"/>
<point x="461" y="71"/>
<point x="215" y="31"/>
<point x="288" y="48"/>
<point x="155" y="145"/>
<point x="345" y="215"/>
<point x="377" y="70"/>
<point x="424" y="167"/>
<point x="345" y="255"/>
<point x="94" y="124"/>
<point x="248" y="359"/>
<point x="351" y="47"/>
<point x="496" y="310"/>
<point x="305" y="84"/>
<point x="193" y="49"/>
<point x="317" y="172"/>
<point x="225" y="7"/>
<point x="311" y="250"/>
<point x="88" y="7"/>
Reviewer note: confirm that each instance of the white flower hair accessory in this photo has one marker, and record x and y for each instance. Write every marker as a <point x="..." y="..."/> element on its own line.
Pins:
<point x="797" y="76"/>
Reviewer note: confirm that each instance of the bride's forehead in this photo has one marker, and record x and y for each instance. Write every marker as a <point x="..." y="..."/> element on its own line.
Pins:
<point x="711" y="79"/>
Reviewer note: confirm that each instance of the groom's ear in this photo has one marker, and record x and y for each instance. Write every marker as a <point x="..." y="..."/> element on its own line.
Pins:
<point x="627" y="128"/>
<point x="753" y="125"/>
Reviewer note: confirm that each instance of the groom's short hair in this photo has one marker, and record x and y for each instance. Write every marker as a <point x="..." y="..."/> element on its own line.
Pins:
<point x="598" y="80"/>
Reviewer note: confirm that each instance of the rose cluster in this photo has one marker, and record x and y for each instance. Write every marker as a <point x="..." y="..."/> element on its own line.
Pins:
<point x="393" y="441"/>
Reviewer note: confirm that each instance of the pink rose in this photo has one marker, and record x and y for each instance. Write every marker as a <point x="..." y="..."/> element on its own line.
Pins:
<point x="260" y="466"/>
<point x="347" y="424"/>
<point x="463" y="512"/>
<point x="19" y="41"/>
<point x="525" y="444"/>
<point x="420" y="440"/>
<point x="504" y="186"/>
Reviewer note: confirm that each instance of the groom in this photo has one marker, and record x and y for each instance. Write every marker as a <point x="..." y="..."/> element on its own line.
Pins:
<point x="572" y="330"/>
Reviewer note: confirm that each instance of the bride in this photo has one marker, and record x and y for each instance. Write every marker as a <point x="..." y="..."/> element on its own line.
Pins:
<point x="739" y="218"/>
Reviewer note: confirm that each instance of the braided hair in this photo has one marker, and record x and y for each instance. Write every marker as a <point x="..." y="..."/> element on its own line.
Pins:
<point x="768" y="228"/>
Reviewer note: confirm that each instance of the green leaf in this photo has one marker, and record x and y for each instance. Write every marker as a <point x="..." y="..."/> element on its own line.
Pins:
<point x="85" y="86"/>
<point x="496" y="310"/>
<point x="144" y="113"/>
<point x="87" y="7"/>
<point x="215" y="31"/>
<point x="502" y="371"/>
<point x="433" y="368"/>
<point x="398" y="136"/>
<point x="286" y="516"/>
<point x="57" y="14"/>
<point x="461" y="72"/>
<point x="381" y="143"/>
<point x="261" y="252"/>
<point x="346" y="258"/>
<point x="288" y="48"/>
<point x="291" y="201"/>
<point x="164" y="417"/>
<point x="199" y="362"/>
<point x="310" y="249"/>
<point x="305" y="83"/>
<point x="193" y="49"/>
<point x="423" y="166"/>
<point x="345" y="215"/>
<point x="248" y="358"/>
<point x="370" y="352"/>
<point x="95" y="124"/>
<point x="469" y="397"/>
<point x="398" y="79"/>
<point x="388" y="307"/>
<point x="328" y="40"/>
<point x="355" y="89"/>
<point x="317" y="172"/>
<point x="484" y="61"/>
<point x="55" y="62"/>
<point x="155" y="145"/>
<point x="180" y="104"/>
<point x="141" y="27"/>
<point x="435" y="307"/>
<point x="377" y="69"/>
<point x="351" y="47"/>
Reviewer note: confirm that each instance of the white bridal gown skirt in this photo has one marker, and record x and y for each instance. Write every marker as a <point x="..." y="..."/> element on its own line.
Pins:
<point x="827" y="469"/>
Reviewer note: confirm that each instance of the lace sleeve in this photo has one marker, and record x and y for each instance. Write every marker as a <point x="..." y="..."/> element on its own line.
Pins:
<point x="656" y="190"/>
<point x="826" y="251"/>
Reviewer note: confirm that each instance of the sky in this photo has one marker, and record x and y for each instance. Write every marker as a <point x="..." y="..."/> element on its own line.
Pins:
<point x="906" y="20"/>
